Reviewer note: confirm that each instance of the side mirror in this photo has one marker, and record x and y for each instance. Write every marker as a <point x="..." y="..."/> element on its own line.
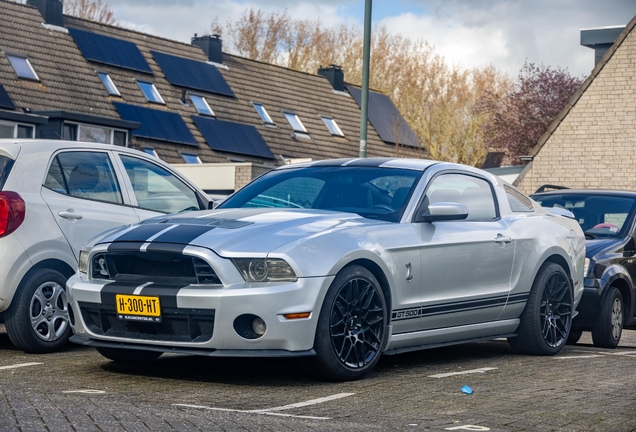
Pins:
<point x="212" y="204"/>
<point x="445" y="211"/>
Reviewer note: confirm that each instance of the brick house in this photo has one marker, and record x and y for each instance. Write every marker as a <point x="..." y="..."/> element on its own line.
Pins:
<point x="592" y="143"/>
<point x="220" y="118"/>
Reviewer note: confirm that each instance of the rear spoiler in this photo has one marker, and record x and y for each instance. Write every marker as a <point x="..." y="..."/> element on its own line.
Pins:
<point x="560" y="212"/>
<point x="543" y="188"/>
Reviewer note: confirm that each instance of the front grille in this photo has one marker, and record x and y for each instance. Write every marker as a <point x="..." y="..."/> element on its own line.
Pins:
<point x="142" y="267"/>
<point x="177" y="325"/>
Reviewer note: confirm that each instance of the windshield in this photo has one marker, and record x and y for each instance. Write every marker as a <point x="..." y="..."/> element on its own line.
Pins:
<point x="377" y="193"/>
<point x="5" y="167"/>
<point x="598" y="215"/>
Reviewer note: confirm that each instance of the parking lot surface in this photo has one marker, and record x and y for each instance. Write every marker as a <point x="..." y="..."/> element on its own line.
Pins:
<point x="583" y="388"/>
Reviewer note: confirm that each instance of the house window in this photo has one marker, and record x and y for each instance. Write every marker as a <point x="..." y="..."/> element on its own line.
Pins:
<point x="201" y="105"/>
<point x="332" y="126"/>
<point x="15" y="130"/>
<point x="151" y="152"/>
<point x="191" y="158"/>
<point x="94" y="134"/>
<point x="23" y="67"/>
<point x="295" y="123"/>
<point x="109" y="84"/>
<point x="150" y="91"/>
<point x="260" y="109"/>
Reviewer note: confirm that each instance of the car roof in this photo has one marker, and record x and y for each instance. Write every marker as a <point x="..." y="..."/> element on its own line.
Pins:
<point x="51" y="145"/>
<point x="413" y="164"/>
<point x="598" y="192"/>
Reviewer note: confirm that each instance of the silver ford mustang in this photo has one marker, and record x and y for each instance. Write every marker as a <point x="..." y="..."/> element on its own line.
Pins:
<point x="336" y="262"/>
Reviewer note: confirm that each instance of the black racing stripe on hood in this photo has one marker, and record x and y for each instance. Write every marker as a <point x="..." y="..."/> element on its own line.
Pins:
<point x="141" y="233"/>
<point x="125" y="247"/>
<point x="110" y="290"/>
<point x="166" y="247"/>
<point x="183" y="234"/>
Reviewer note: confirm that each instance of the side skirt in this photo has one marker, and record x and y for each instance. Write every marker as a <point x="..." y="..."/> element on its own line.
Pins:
<point x="443" y="344"/>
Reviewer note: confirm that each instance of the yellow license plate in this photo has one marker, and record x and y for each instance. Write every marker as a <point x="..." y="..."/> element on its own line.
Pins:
<point x="138" y="308"/>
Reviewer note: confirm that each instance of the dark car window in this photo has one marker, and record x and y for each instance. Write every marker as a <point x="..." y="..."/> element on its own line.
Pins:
<point x="87" y="175"/>
<point x="598" y="215"/>
<point x="379" y="193"/>
<point x="157" y="189"/>
<point x="6" y="164"/>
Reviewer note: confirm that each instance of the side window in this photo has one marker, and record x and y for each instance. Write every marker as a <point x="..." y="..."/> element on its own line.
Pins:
<point x="157" y="189"/>
<point x="473" y="192"/>
<point x="87" y="175"/>
<point x="518" y="201"/>
<point x="298" y="192"/>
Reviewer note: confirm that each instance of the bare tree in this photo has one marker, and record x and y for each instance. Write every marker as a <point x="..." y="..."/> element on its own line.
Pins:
<point x="93" y="10"/>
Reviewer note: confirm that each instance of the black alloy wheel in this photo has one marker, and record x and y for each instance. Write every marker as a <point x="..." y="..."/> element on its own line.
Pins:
<point x="546" y="321"/>
<point x="352" y="327"/>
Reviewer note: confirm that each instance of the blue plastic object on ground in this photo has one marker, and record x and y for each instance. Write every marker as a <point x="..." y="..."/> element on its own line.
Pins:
<point x="467" y="389"/>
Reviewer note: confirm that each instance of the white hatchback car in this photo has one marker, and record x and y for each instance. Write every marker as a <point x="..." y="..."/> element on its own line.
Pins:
<point x="55" y="196"/>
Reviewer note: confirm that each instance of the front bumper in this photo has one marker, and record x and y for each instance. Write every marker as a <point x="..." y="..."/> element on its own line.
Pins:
<point x="218" y="305"/>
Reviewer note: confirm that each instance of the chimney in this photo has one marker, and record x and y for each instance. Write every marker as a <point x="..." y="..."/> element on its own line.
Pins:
<point x="600" y="39"/>
<point x="335" y="75"/>
<point x="211" y="45"/>
<point x="51" y="11"/>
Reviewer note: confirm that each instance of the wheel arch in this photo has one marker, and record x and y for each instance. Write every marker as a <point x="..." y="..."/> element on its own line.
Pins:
<point x="380" y="276"/>
<point x="53" y="264"/>
<point x="558" y="259"/>
<point x="623" y="283"/>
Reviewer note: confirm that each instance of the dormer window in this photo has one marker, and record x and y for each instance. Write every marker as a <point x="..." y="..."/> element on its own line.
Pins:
<point x="150" y="91"/>
<point x="201" y="105"/>
<point x="190" y="158"/>
<point x="22" y="67"/>
<point x="109" y="84"/>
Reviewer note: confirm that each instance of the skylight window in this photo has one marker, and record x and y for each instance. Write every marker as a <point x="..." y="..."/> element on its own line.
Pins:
<point x="332" y="126"/>
<point x="201" y="105"/>
<point x="151" y="152"/>
<point x="23" y="67"/>
<point x="151" y="92"/>
<point x="295" y="123"/>
<point x="109" y="84"/>
<point x="191" y="158"/>
<point x="260" y="109"/>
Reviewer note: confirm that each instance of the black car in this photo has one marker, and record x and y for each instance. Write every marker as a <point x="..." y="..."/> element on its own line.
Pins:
<point x="607" y="218"/>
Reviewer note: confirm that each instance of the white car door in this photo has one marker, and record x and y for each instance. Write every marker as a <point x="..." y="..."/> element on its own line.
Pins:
<point x="84" y="195"/>
<point x="466" y="264"/>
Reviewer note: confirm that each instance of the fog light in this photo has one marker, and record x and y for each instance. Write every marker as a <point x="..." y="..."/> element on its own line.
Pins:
<point x="259" y="327"/>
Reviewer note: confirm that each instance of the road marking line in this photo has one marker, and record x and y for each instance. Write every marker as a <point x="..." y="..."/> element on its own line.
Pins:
<point x="472" y="371"/>
<point x="579" y="357"/>
<point x="19" y="365"/>
<point x="608" y="353"/>
<point x="87" y="391"/>
<point x="272" y="411"/>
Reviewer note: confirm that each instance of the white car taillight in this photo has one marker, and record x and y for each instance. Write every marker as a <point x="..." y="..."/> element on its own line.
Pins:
<point x="12" y="212"/>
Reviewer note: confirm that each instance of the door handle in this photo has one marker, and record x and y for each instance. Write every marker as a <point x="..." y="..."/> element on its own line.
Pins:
<point x="502" y="239"/>
<point x="69" y="214"/>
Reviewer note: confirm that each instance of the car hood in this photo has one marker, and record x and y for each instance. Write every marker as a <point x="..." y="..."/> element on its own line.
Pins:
<point x="237" y="232"/>
<point x="593" y="245"/>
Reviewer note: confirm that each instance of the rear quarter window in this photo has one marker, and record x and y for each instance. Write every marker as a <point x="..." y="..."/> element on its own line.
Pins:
<point x="518" y="201"/>
<point x="6" y="164"/>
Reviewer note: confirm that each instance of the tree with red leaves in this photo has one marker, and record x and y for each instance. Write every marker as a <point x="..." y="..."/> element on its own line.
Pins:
<point x="517" y="120"/>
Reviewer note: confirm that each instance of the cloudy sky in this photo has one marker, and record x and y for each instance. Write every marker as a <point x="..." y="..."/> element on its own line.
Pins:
<point x="467" y="32"/>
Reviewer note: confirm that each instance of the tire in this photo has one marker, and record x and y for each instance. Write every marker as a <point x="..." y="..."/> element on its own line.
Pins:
<point x="574" y="337"/>
<point x="607" y="331"/>
<point x="546" y="320"/>
<point x="37" y="320"/>
<point x="352" y="327"/>
<point x="128" y="356"/>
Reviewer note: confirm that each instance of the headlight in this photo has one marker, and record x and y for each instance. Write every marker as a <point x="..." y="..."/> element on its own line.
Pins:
<point x="82" y="265"/>
<point x="586" y="267"/>
<point x="265" y="270"/>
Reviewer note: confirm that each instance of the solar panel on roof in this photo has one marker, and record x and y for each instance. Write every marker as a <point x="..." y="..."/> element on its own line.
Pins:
<point x="385" y="118"/>
<point x="192" y="74"/>
<point x="5" y="99"/>
<point x="157" y="124"/>
<point x="110" y="50"/>
<point x="232" y="137"/>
